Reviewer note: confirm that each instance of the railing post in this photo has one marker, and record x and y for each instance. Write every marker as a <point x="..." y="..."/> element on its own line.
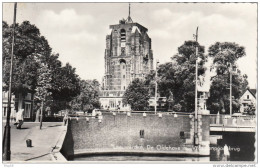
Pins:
<point x="217" y="118"/>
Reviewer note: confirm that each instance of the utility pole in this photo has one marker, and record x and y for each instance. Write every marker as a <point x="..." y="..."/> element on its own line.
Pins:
<point x="155" y="94"/>
<point x="196" y="94"/>
<point x="7" y="137"/>
<point x="41" y="114"/>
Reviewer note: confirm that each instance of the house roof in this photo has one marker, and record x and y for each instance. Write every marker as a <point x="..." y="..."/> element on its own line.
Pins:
<point x="252" y="91"/>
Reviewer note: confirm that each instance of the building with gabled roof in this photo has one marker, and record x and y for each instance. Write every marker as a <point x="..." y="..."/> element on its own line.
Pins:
<point x="248" y="100"/>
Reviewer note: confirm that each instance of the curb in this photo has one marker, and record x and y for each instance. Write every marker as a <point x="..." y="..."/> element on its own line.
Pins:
<point x="55" y="153"/>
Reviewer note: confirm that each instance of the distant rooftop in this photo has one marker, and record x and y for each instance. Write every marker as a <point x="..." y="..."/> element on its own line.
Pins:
<point x="253" y="92"/>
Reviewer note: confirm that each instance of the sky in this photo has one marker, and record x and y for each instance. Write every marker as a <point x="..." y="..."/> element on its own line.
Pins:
<point x="77" y="31"/>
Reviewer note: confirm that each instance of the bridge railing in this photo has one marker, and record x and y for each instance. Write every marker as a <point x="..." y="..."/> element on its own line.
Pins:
<point x="103" y="111"/>
<point x="228" y="120"/>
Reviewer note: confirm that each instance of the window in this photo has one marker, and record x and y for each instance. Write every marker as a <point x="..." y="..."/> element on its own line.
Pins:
<point x="124" y="76"/>
<point x="247" y="96"/>
<point x="123" y="35"/>
<point x="182" y="135"/>
<point x="141" y="133"/>
<point x="27" y="110"/>
<point x="123" y="40"/>
<point x="4" y="111"/>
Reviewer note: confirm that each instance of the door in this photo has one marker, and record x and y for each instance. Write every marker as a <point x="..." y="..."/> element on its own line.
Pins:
<point x="27" y="110"/>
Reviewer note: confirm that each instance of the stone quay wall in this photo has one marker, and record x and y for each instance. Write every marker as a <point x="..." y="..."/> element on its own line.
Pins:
<point x="136" y="133"/>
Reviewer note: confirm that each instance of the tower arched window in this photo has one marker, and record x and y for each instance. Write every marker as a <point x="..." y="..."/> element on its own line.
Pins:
<point x="123" y="40"/>
<point x="123" y="35"/>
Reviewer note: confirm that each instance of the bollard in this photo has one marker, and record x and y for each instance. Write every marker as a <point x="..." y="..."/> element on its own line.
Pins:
<point x="234" y="121"/>
<point x="160" y="115"/>
<point x="144" y="114"/>
<point x="128" y="114"/>
<point x="175" y="115"/>
<point x="29" y="143"/>
<point x="217" y="118"/>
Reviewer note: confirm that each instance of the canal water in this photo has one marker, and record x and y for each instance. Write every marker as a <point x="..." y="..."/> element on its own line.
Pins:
<point x="240" y="145"/>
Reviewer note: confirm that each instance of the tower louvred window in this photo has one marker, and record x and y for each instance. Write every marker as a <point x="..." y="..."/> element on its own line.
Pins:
<point x="123" y="35"/>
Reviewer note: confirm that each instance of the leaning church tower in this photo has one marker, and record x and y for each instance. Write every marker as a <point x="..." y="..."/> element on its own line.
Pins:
<point x="128" y="55"/>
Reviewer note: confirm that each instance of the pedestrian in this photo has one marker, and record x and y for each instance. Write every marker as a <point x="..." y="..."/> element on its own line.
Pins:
<point x="13" y="114"/>
<point x="118" y="109"/>
<point x="19" y="118"/>
<point x="94" y="113"/>
<point x="65" y="118"/>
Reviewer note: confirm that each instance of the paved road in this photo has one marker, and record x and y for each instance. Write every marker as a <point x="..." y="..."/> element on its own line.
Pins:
<point x="42" y="140"/>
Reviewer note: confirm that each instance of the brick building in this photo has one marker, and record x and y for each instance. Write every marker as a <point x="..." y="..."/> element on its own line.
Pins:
<point x="128" y="55"/>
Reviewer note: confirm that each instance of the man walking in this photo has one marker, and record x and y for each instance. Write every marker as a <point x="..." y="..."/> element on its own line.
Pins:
<point x="19" y="118"/>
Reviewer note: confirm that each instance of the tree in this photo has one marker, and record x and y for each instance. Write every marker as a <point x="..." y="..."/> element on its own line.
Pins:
<point x="31" y="51"/>
<point x="137" y="95"/>
<point x="224" y="57"/>
<point x="178" y="77"/>
<point x="65" y="86"/>
<point x="28" y="42"/>
<point x="88" y="97"/>
<point x="42" y="88"/>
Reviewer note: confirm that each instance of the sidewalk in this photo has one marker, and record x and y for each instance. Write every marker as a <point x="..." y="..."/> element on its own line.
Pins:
<point x="43" y="140"/>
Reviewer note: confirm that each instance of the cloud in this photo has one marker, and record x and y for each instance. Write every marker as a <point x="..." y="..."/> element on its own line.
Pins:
<point x="231" y="23"/>
<point x="245" y="10"/>
<point x="73" y="36"/>
<point x="161" y="14"/>
<point x="66" y="20"/>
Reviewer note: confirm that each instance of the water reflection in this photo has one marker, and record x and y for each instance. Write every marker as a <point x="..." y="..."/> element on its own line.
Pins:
<point x="240" y="146"/>
<point x="142" y="158"/>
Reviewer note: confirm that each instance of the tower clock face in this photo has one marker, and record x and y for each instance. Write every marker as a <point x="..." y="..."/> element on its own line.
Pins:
<point x="122" y="44"/>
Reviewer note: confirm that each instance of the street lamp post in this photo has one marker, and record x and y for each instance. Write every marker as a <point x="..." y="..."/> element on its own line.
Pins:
<point x="230" y="88"/>
<point x="230" y="103"/>
<point x="196" y="94"/>
<point x="156" y="85"/>
<point x="7" y="137"/>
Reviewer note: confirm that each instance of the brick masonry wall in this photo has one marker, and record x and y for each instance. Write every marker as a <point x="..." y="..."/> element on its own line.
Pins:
<point x="124" y="131"/>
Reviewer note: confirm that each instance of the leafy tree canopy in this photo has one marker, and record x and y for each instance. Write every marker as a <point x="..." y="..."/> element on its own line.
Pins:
<point x="137" y="95"/>
<point x="178" y="77"/>
<point x="35" y="68"/>
<point x="88" y="97"/>
<point x="224" y="57"/>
